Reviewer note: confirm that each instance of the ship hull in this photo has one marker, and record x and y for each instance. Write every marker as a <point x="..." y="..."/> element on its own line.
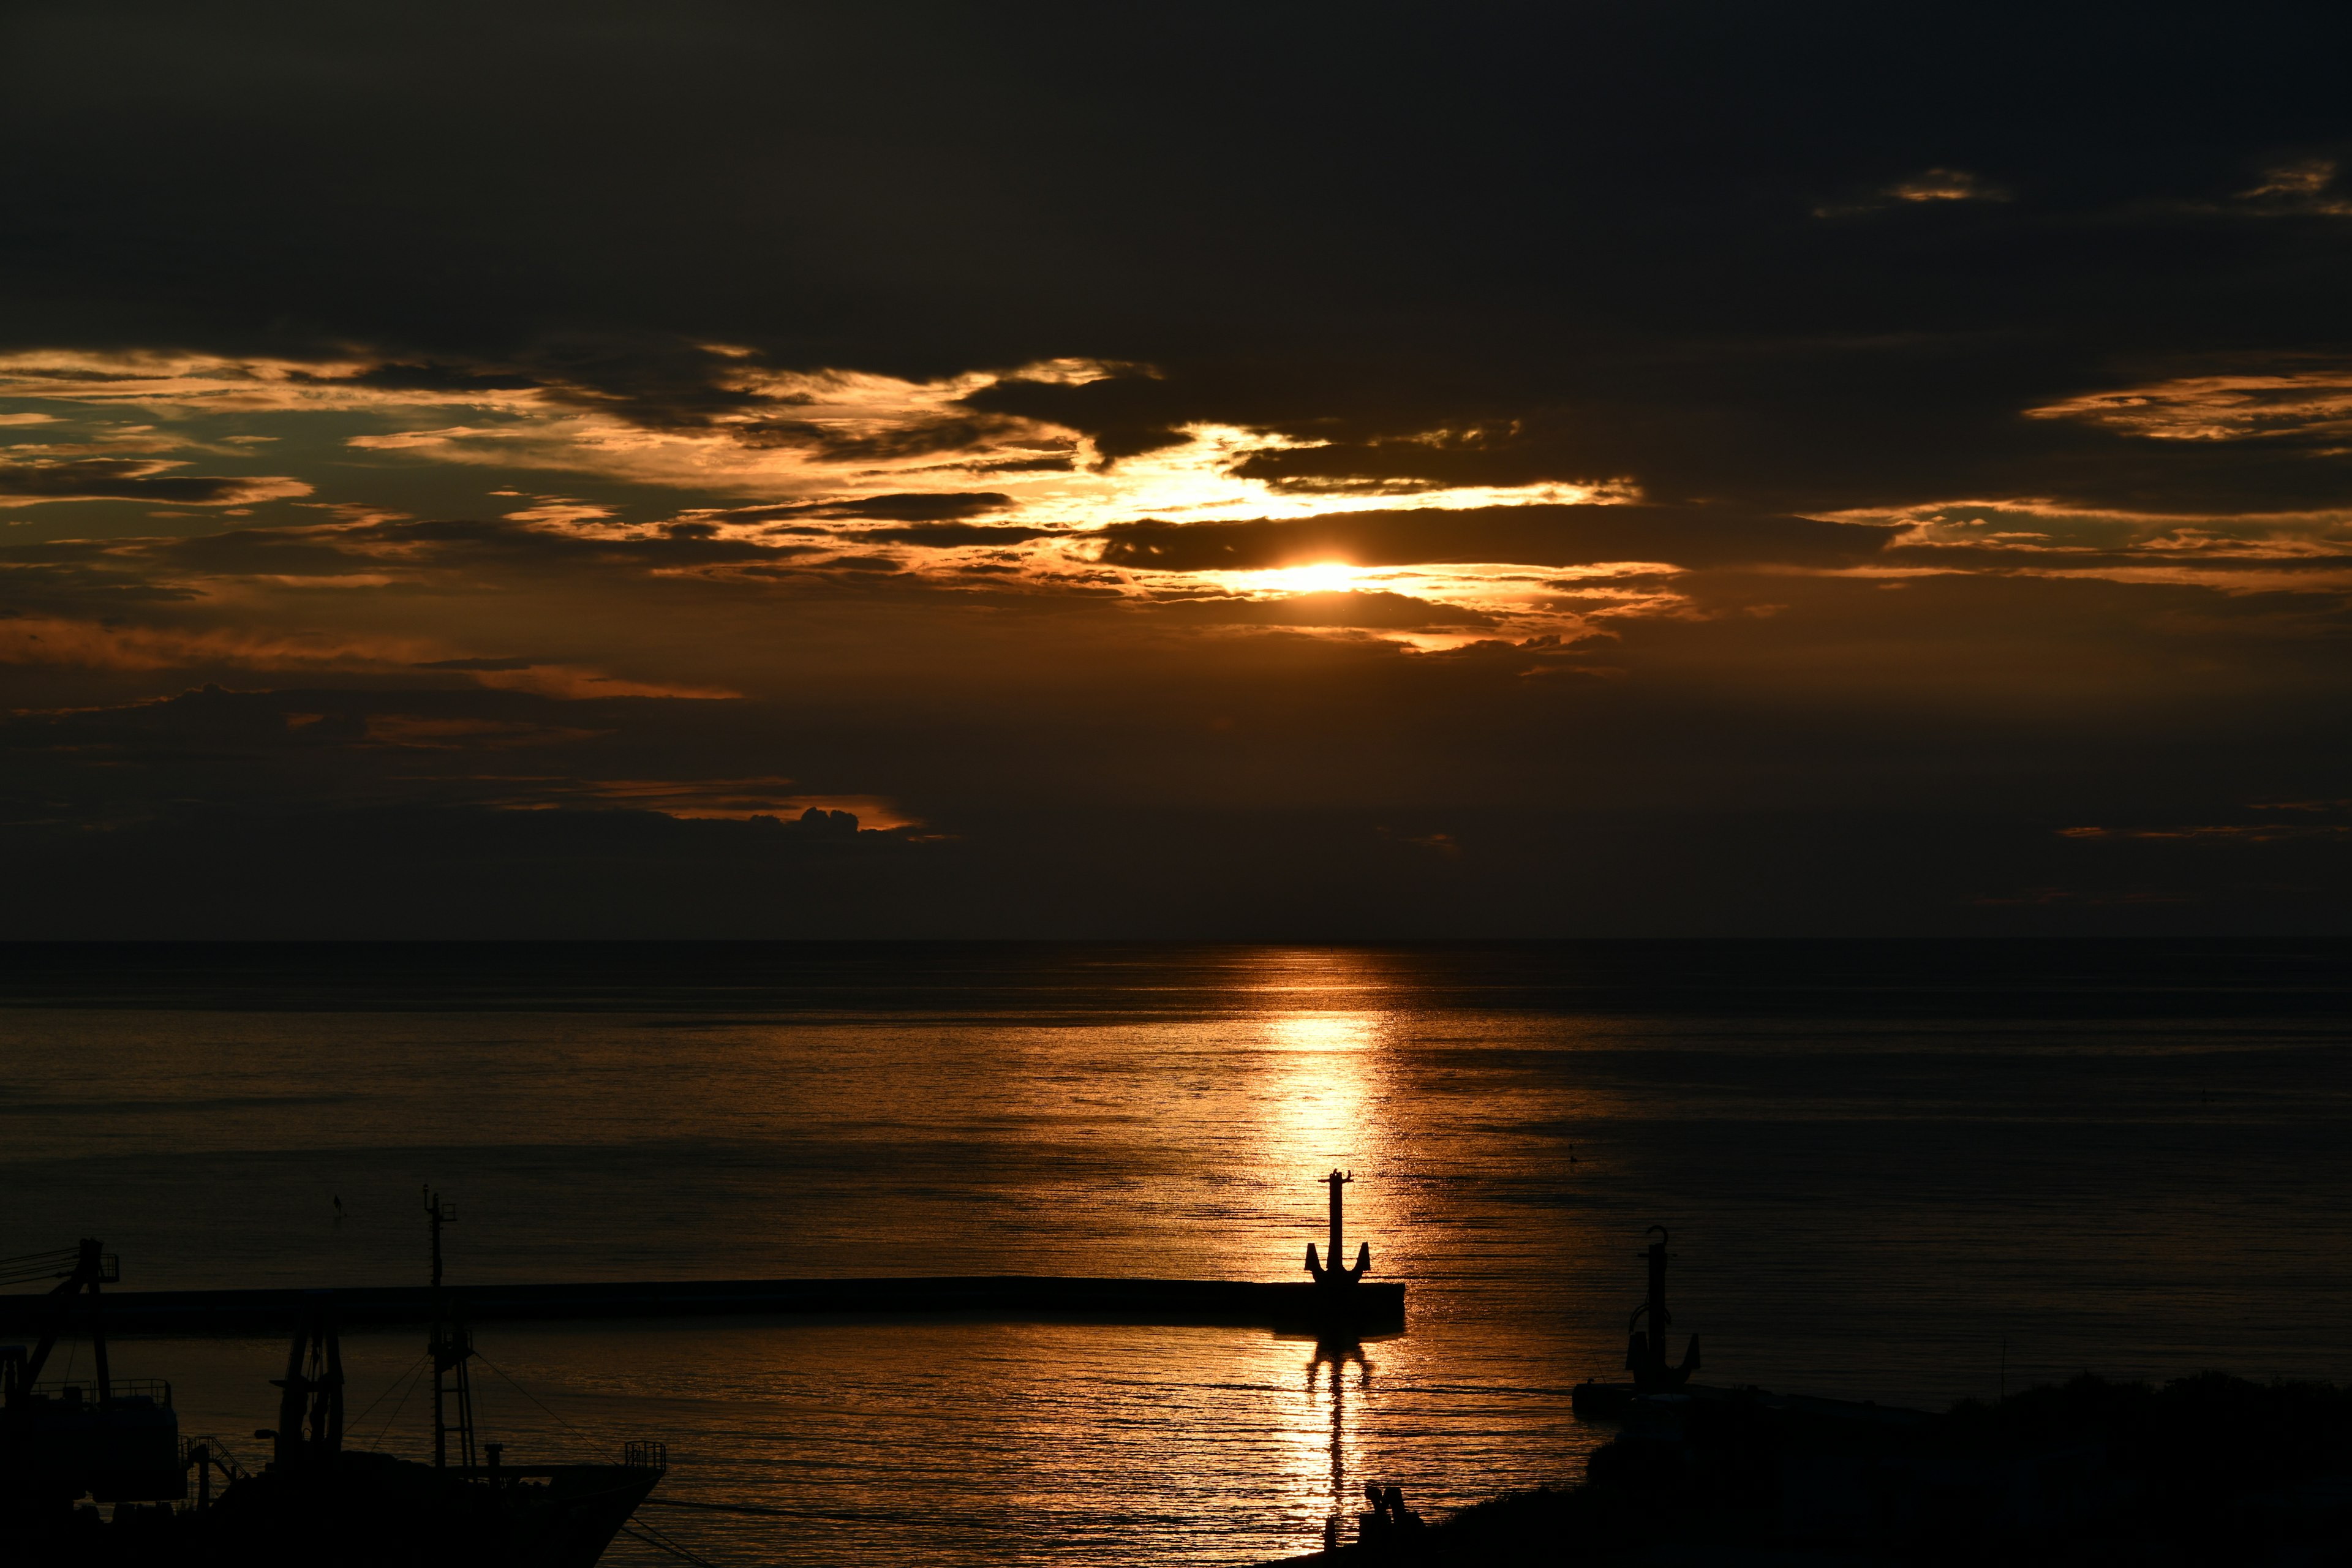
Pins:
<point x="373" y="1511"/>
<point x="361" y="1510"/>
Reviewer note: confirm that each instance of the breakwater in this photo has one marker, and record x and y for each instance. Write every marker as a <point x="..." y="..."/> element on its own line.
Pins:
<point x="1298" y="1306"/>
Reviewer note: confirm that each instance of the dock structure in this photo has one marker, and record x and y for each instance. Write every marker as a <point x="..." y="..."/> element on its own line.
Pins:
<point x="1304" y="1307"/>
<point x="1336" y="1304"/>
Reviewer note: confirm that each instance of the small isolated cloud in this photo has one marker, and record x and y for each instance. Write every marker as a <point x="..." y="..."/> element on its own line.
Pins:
<point x="2261" y="832"/>
<point x="2220" y="407"/>
<point x="2305" y="187"/>
<point x="560" y="510"/>
<point x="729" y="799"/>
<point x="1926" y="188"/>
<point x="1945" y="185"/>
<point x="481" y="664"/>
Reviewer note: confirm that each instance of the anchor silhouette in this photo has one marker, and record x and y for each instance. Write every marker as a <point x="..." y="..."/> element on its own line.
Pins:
<point x="1338" y="1274"/>
<point x="1645" y="1354"/>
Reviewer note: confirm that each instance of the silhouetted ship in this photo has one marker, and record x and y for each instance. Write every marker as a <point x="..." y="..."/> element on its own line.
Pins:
<point x="117" y="1442"/>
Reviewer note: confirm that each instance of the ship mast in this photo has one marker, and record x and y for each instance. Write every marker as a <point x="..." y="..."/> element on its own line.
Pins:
<point x="452" y="1347"/>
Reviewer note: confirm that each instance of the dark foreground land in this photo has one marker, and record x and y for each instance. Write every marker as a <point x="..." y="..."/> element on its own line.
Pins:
<point x="2207" y="1471"/>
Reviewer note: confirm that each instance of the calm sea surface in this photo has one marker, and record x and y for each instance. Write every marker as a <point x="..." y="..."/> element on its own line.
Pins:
<point x="1887" y="1168"/>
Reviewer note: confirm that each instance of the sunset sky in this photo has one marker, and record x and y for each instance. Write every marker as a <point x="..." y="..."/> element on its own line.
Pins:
<point x="1253" y="471"/>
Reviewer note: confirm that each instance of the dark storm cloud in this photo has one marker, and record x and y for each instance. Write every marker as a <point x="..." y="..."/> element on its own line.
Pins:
<point x="463" y="542"/>
<point x="1020" y="466"/>
<point x="81" y="574"/>
<point x="397" y="377"/>
<point x="118" y="478"/>
<point x="922" y="506"/>
<point x="651" y="378"/>
<point x="1536" y="535"/>
<point x="1125" y="414"/>
<point x="947" y="535"/>
<point x="1766" y="267"/>
<point x="248" y="550"/>
<point x="1746" y="256"/>
<point x="467" y="813"/>
<point x="1478" y="456"/>
<point x="933" y="522"/>
<point x="215" y="747"/>
<point x="2217" y="555"/>
<point x="428" y="868"/>
<point x="923" y="440"/>
<point x="932" y="518"/>
<point x="943" y="507"/>
<point x="77" y="577"/>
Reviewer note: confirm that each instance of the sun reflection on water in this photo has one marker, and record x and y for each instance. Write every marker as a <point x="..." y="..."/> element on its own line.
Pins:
<point x="1323" y="1084"/>
<point x="1322" y="1089"/>
<point x="1325" y="1031"/>
<point x="1337" y="1370"/>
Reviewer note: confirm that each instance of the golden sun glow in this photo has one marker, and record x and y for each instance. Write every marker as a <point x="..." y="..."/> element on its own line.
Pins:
<point x="1323" y="578"/>
<point x="1026" y="500"/>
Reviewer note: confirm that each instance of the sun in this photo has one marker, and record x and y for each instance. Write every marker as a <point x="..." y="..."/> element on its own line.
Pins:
<point x="1322" y="577"/>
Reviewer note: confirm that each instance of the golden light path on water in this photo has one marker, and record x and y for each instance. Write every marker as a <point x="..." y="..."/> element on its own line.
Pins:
<point x="1862" y="1206"/>
<point x="1322" y="1083"/>
<point x="1189" y="1146"/>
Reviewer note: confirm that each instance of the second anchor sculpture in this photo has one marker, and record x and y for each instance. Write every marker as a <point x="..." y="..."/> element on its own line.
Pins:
<point x="1645" y="1354"/>
<point x="1338" y="1274"/>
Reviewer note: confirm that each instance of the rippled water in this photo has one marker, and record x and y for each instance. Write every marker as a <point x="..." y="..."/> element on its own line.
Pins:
<point x="1889" y="1169"/>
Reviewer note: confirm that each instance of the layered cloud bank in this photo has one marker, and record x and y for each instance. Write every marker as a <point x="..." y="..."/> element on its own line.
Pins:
<point x="1352" y="485"/>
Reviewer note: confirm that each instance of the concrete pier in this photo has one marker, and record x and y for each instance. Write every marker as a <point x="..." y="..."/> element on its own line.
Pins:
<point x="1304" y="1308"/>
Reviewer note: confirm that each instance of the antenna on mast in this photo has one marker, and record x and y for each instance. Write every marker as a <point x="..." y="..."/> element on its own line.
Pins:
<point x="452" y="1347"/>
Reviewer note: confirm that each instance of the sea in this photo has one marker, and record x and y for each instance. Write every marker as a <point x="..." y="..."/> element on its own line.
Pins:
<point x="1915" y="1172"/>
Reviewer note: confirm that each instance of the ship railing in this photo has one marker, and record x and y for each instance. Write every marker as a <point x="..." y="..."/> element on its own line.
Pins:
<point x="61" y="1264"/>
<point x="156" y="1389"/>
<point x="645" y="1455"/>
<point x="217" y="1453"/>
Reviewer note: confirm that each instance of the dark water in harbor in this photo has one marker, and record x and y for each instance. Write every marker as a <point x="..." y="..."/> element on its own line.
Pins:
<point x="1886" y="1167"/>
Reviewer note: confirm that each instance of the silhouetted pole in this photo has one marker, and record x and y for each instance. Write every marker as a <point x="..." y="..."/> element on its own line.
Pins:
<point x="1339" y="1213"/>
<point x="91" y="1264"/>
<point x="436" y="1215"/>
<point x="290" y="1389"/>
